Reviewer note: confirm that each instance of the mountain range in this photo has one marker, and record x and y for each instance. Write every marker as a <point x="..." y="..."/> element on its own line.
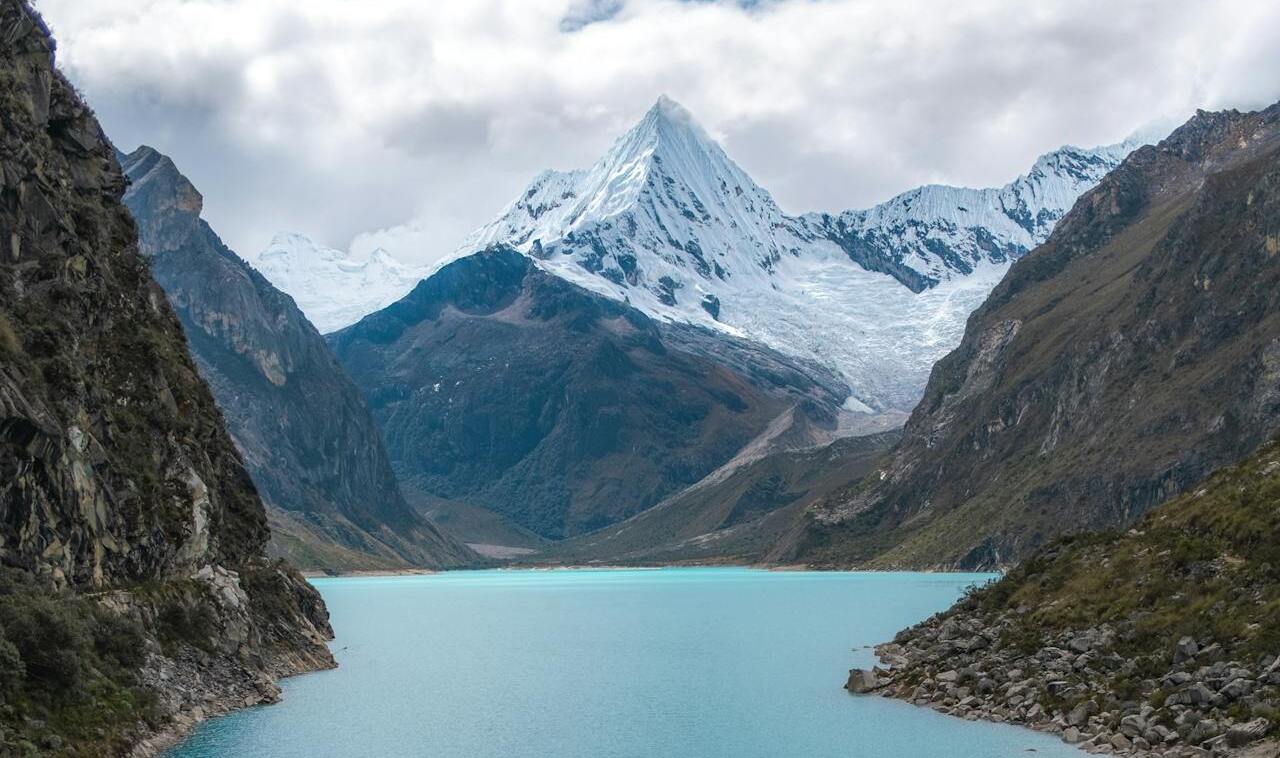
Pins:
<point x="328" y="286"/>
<point x="667" y="223"/>
<point x="1121" y="362"/>
<point x="299" y="423"/>
<point x="825" y="325"/>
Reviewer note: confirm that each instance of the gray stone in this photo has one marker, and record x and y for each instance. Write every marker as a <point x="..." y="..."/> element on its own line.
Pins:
<point x="1081" y="713"/>
<point x="1236" y="688"/>
<point x="1243" y="734"/>
<point x="862" y="681"/>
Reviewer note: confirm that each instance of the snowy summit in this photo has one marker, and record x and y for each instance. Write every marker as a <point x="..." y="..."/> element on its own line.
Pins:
<point x="330" y="288"/>
<point x="669" y="223"/>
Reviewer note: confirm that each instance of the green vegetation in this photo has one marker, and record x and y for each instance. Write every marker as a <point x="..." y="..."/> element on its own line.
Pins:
<point x="68" y="681"/>
<point x="1205" y="565"/>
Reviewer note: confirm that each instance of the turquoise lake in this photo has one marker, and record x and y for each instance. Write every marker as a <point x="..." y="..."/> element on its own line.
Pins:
<point x="696" y="663"/>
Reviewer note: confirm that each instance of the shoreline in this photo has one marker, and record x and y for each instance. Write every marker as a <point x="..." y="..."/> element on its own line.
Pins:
<point x="322" y="574"/>
<point x="962" y="670"/>
<point x="773" y="567"/>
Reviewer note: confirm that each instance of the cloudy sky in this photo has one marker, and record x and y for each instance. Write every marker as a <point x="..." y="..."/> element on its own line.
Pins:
<point x="343" y="119"/>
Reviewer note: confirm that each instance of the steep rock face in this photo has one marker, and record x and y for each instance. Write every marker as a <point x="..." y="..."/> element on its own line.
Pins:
<point x="302" y="427"/>
<point x="1117" y="364"/>
<point x="499" y="385"/>
<point x="116" y="474"/>
<point x="668" y="223"/>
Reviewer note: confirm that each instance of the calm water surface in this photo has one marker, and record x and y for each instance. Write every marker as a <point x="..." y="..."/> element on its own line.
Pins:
<point x="677" y="663"/>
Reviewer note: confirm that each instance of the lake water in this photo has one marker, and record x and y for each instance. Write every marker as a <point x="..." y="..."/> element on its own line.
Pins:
<point x="676" y="663"/>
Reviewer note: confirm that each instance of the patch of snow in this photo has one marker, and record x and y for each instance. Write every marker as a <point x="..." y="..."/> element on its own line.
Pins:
<point x="332" y="290"/>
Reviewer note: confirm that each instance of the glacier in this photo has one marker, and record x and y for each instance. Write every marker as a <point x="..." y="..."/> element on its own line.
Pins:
<point x="668" y="223"/>
<point x="330" y="288"/>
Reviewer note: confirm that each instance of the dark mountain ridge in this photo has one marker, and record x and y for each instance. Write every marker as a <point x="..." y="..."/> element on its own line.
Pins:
<point x="301" y="425"/>
<point x="1116" y="365"/>
<point x="499" y="385"/>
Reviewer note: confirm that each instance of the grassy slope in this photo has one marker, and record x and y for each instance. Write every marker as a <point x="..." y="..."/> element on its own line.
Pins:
<point x="1205" y="565"/>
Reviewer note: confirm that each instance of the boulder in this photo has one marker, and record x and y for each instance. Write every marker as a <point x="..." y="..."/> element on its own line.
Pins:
<point x="1079" y="715"/>
<point x="862" y="681"/>
<point x="1243" y="734"/>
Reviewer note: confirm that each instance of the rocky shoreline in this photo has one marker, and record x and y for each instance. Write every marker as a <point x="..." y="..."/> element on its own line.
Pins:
<point x="240" y="669"/>
<point x="205" y="693"/>
<point x="1078" y="687"/>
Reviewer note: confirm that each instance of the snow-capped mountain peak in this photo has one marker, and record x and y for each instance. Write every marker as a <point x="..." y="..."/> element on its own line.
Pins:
<point x="666" y="221"/>
<point x="329" y="287"/>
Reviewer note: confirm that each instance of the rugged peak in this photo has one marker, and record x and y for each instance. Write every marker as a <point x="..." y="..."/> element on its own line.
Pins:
<point x="295" y="246"/>
<point x="155" y="181"/>
<point x="147" y="166"/>
<point x="669" y="107"/>
<point x="667" y="141"/>
<point x="1208" y="133"/>
<point x="669" y="118"/>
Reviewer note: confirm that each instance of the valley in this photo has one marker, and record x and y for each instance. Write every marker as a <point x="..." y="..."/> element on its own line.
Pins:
<point x="645" y="462"/>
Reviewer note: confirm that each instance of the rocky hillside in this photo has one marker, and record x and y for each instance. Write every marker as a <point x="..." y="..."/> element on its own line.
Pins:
<point x="735" y="514"/>
<point x="300" y="424"/>
<point x="1162" y="640"/>
<point x="1114" y="366"/>
<point x="499" y="385"/>
<point x="135" y="595"/>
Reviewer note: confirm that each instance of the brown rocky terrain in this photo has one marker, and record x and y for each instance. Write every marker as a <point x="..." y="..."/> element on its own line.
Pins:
<point x="733" y="515"/>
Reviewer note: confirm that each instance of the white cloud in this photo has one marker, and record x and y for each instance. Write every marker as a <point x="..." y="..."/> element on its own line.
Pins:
<point x="336" y="118"/>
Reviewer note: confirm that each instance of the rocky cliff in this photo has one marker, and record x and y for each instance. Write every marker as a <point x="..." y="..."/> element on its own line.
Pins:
<point x="1161" y="640"/>
<point x="1116" y="365"/>
<point x="135" y="595"/>
<point x="300" y="424"/>
<point x="499" y="385"/>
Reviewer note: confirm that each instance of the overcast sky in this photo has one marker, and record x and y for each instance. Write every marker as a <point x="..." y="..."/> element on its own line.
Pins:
<point x="340" y="118"/>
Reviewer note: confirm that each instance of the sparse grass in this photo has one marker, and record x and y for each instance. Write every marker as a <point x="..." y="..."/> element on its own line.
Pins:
<point x="1205" y="565"/>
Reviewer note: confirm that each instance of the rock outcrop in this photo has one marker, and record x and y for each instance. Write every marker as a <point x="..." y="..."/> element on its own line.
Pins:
<point x="1116" y="365"/>
<point x="302" y="427"/>
<point x="1161" y="640"/>
<point x="135" y="593"/>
